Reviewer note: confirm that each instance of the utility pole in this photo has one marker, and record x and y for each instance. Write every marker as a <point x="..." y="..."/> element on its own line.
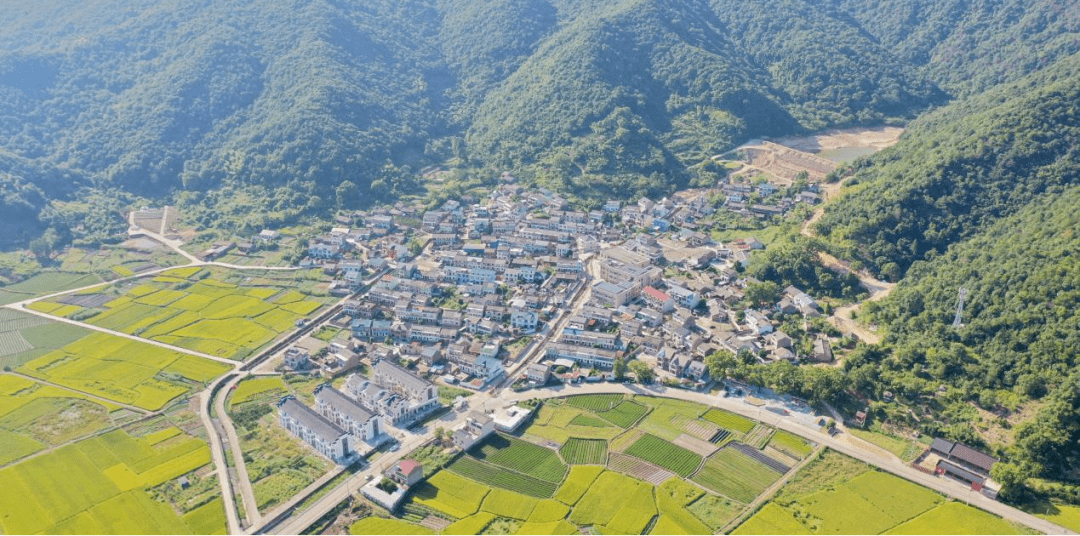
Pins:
<point x="957" y="322"/>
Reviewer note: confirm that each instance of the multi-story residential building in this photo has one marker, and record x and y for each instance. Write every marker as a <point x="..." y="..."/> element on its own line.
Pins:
<point x="324" y="436"/>
<point x="591" y="357"/>
<point x="363" y="423"/>
<point x="476" y="427"/>
<point x="393" y="391"/>
<point x="607" y="293"/>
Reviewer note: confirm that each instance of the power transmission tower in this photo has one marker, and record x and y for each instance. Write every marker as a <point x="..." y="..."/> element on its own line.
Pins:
<point x="957" y="322"/>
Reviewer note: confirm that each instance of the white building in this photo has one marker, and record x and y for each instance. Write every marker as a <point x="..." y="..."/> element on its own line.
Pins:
<point x="476" y="427"/>
<point x="324" y="436"/>
<point x="363" y="423"/>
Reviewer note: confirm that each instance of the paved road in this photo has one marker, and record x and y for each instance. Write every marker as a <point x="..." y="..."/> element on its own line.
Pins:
<point x="850" y="446"/>
<point x="217" y="455"/>
<point x="247" y="493"/>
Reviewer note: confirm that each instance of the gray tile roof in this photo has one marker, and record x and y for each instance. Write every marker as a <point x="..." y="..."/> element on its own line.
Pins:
<point x="400" y="375"/>
<point x="311" y="420"/>
<point x="337" y="400"/>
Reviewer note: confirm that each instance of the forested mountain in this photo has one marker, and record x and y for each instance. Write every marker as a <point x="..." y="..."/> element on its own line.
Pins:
<point x="1020" y="334"/>
<point x="961" y="167"/>
<point x="599" y="98"/>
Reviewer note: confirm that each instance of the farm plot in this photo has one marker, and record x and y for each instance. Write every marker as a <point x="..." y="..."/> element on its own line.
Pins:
<point x="733" y="474"/>
<point x="577" y="483"/>
<point x="253" y="387"/>
<point x="731" y="421"/>
<point x="694" y="444"/>
<point x="24" y="337"/>
<point x="956" y="518"/>
<point x="560" y="422"/>
<point x="522" y="457"/>
<point x="578" y="451"/>
<point x="105" y="478"/>
<point x="594" y="402"/>
<point x="790" y="444"/>
<point x="122" y="370"/>
<point x="382" y="525"/>
<point x="772" y="519"/>
<point x="665" y="454"/>
<point x="494" y="475"/>
<point x="605" y="498"/>
<point x="638" y="468"/>
<point x="673" y="499"/>
<point x="447" y="492"/>
<point x="870" y="503"/>
<point x="668" y="417"/>
<point x="624" y="414"/>
<point x="505" y="503"/>
<point x="198" y="311"/>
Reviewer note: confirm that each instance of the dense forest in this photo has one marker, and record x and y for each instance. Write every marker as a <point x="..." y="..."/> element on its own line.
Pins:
<point x="960" y="168"/>
<point x="145" y="100"/>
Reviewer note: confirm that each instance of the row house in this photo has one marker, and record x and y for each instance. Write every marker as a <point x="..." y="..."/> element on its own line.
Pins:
<point x="324" y="436"/>
<point x="593" y="339"/>
<point x="589" y="357"/>
<point x="363" y="423"/>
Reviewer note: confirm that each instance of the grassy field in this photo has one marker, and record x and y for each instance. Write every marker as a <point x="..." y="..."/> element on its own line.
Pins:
<point x="672" y="500"/>
<point x="217" y="312"/>
<point x="1065" y="515"/>
<point x="123" y="370"/>
<point x="496" y="476"/>
<point x="105" y="480"/>
<point x="664" y="454"/>
<point x="731" y="421"/>
<point x="251" y="387"/>
<point x="736" y="475"/>
<point x="579" y="451"/>
<point x="716" y="512"/>
<point x="905" y="449"/>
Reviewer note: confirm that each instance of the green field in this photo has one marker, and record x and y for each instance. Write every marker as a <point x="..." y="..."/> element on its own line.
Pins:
<point x="104" y="481"/>
<point x="559" y="422"/>
<point x="839" y="495"/>
<point x="606" y="496"/>
<point x="674" y="498"/>
<point x="213" y="315"/>
<point x="624" y="414"/>
<point x="790" y="444"/>
<point x="45" y="283"/>
<point x="731" y="421"/>
<point x="594" y="402"/>
<point x="735" y="475"/>
<point x="496" y="476"/>
<point x="252" y="387"/>
<point x="1065" y="515"/>
<point x="522" y="457"/>
<point x="126" y="371"/>
<point x="578" y="451"/>
<point x="665" y="454"/>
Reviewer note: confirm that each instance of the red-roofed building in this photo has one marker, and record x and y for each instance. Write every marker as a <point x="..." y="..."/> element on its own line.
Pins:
<point x="658" y="299"/>
<point x="406" y="472"/>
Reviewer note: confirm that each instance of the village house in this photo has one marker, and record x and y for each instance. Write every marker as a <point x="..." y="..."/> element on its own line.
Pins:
<point x="324" y="436"/>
